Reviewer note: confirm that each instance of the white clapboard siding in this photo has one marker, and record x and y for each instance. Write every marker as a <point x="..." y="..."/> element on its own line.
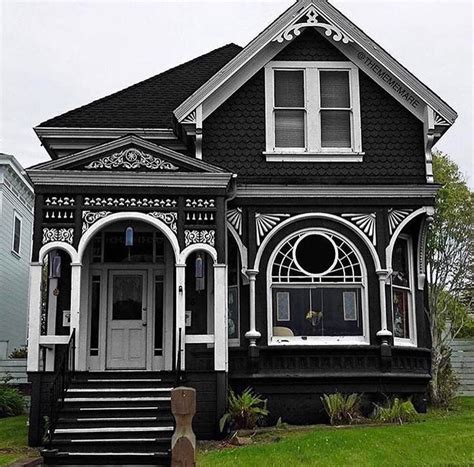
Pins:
<point x="15" y="368"/>
<point x="462" y="360"/>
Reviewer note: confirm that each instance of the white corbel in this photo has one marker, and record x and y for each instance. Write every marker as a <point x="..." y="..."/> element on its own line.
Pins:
<point x="199" y="132"/>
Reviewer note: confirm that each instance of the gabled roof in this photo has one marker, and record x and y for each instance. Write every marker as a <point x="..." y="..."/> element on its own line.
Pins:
<point x="92" y="158"/>
<point x="149" y="103"/>
<point x="346" y="36"/>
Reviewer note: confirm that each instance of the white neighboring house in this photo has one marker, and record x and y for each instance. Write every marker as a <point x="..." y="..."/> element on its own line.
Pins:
<point x="16" y="223"/>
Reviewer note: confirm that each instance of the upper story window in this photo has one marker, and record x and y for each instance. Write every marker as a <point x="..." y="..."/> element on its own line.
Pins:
<point x="312" y="111"/>
<point x="16" y="240"/>
<point x="402" y="292"/>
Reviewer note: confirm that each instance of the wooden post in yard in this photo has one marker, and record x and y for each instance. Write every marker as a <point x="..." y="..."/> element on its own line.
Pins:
<point x="183" y="442"/>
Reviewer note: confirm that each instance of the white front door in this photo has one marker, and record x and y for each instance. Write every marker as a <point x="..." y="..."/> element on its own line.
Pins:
<point x="127" y="320"/>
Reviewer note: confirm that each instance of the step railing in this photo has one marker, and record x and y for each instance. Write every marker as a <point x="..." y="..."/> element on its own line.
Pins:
<point x="178" y="371"/>
<point x="61" y="381"/>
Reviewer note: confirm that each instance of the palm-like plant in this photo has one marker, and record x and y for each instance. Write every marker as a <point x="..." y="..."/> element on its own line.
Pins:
<point x="397" y="411"/>
<point x="342" y="409"/>
<point x="244" y="410"/>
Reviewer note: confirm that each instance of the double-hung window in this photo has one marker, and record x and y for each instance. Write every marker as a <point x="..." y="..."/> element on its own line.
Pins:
<point x="403" y="307"/>
<point x="16" y="240"/>
<point x="312" y="111"/>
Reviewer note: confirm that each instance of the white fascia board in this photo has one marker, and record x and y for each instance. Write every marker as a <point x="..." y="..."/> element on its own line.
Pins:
<point x="134" y="179"/>
<point x="103" y="133"/>
<point x="358" y="50"/>
<point x="336" y="191"/>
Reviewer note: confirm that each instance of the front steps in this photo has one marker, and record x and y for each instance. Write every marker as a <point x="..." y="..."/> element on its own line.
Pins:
<point x="114" y="418"/>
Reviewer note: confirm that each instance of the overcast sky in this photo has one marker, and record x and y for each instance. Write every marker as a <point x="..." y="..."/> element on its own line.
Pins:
<point x="58" y="55"/>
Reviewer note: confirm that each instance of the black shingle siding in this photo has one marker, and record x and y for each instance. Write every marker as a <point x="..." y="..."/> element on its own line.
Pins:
<point x="392" y="138"/>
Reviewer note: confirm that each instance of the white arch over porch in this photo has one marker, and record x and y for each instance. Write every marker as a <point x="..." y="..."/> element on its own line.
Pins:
<point x="242" y="248"/>
<point x="428" y="210"/>
<point x="197" y="247"/>
<point x="68" y="248"/>
<point x="127" y="216"/>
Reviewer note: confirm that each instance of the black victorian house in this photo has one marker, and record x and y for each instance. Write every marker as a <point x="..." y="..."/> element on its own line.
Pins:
<point x="254" y="217"/>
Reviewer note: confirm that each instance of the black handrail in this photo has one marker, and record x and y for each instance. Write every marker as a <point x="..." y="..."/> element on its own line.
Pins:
<point x="62" y="380"/>
<point x="179" y="377"/>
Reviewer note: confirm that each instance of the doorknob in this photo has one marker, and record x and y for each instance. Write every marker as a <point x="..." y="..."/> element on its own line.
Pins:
<point x="143" y="324"/>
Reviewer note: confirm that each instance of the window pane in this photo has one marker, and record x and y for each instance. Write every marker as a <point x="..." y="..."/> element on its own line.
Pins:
<point x="289" y="88"/>
<point x="115" y="250"/>
<point x="335" y="89"/>
<point x="233" y="312"/>
<point x="400" y="313"/>
<point x="159" y="294"/>
<point x="289" y="129"/>
<point x="335" y="129"/>
<point x="400" y="263"/>
<point x="317" y="312"/>
<point x="17" y="235"/>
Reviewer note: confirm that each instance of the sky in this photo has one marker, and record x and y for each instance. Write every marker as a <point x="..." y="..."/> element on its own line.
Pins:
<point x="57" y="55"/>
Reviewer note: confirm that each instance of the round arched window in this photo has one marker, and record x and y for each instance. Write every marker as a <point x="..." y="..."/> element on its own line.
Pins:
<point x="315" y="253"/>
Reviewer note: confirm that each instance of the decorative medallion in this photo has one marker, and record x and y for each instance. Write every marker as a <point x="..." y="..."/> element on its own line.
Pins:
<point x="131" y="202"/>
<point x="199" y="236"/>
<point x="91" y="217"/>
<point x="439" y="120"/>
<point x="312" y="20"/>
<point x="395" y="216"/>
<point x="131" y="159"/>
<point x="57" y="235"/>
<point x="234" y="217"/>
<point x="265" y="222"/>
<point x="169" y="218"/>
<point x="366" y="223"/>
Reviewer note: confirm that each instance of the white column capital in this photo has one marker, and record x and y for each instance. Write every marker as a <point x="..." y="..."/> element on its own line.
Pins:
<point x="384" y="274"/>
<point x="251" y="273"/>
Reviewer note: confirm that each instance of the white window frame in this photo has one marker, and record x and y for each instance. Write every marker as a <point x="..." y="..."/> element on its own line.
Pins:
<point x="363" y="339"/>
<point x="412" y="340"/>
<point x="313" y="150"/>
<point x="15" y="217"/>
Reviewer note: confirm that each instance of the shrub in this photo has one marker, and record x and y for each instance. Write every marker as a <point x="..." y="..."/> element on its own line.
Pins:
<point x="244" y="410"/>
<point x="11" y="401"/>
<point x="397" y="411"/>
<point x="448" y="390"/>
<point x="342" y="409"/>
<point x="21" y="352"/>
<point x="467" y="330"/>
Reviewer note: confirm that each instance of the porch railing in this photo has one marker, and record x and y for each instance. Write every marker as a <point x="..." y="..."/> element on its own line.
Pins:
<point x="62" y="379"/>
<point x="179" y="374"/>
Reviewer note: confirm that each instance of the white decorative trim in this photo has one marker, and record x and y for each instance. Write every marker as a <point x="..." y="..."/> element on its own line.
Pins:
<point x="59" y="201"/>
<point x="131" y="159"/>
<point x="199" y="236"/>
<point x="90" y="217"/>
<point x="312" y="20"/>
<point x="58" y="235"/>
<point x="313" y="157"/>
<point x="169" y="218"/>
<point x="234" y="217"/>
<point x="439" y="120"/>
<point x="395" y="216"/>
<point x="265" y="222"/>
<point x="421" y="251"/>
<point x="200" y="203"/>
<point x="131" y="202"/>
<point x="191" y="118"/>
<point x="366" y="223"/>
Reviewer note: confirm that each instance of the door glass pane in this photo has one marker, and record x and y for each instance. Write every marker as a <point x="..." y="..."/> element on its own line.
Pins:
<point x="289" y="88"/>
<point x="289" y="129"/>
<point x="335" y="89"/>
<point x="127" y="297"/>
<point x="335" y="129"/>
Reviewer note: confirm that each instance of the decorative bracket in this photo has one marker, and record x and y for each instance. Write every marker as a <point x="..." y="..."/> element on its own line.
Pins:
<point x="234" y="217"/>
<point x="395" y="216"/>
<point x="265" y="222"/>
<point x="58" y="235"/>
<point x="169" y="218"/>
<point x="366" y="223"/>
<point x="312" y="20"/>
<point x="91" y="217"/>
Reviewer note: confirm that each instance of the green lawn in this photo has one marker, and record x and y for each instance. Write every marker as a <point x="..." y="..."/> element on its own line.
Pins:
<point x="440" y="439"/>
<point x="13" y="440"/>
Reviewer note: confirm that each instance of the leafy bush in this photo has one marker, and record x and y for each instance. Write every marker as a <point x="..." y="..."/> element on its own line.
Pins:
<point x="342" y="409"/>
<point x="11" y="401"/>
<point x="397" y="411"/>
<point x="21" y="352"/>
<point x="244" y="410"/>
<point x="467" y="330"/>
<point x="448" y="390"/>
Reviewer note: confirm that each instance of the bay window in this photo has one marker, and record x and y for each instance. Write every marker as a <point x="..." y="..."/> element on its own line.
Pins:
<point x="402" y="292"/>
<point x="317" y="291"/>
<point x="312" y="111"/>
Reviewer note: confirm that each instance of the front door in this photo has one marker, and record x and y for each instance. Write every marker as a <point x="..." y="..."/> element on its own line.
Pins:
<point x="127" y="320"/>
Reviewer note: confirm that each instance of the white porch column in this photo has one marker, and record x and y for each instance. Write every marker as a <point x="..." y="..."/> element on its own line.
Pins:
<point x="34" y="317"/>
<point x="81" y="334"/>
<point x="221" y="348"/>
<point x="180" y="311"/>
<point x="384" y="333"/>
<point x="252" y="334"/>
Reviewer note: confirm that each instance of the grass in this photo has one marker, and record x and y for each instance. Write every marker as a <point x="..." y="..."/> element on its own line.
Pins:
<point x="13" y="440"/>
<point x="441" y="438"/>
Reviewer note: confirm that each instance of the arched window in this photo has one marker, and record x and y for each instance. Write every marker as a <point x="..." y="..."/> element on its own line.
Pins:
<point x="317" y="290"/>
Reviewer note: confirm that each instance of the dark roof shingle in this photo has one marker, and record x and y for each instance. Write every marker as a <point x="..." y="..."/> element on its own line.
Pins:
<point x="150" y="103"/>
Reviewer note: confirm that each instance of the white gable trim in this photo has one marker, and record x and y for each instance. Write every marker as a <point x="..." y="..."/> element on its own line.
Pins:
<point x="370" y="57"/>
